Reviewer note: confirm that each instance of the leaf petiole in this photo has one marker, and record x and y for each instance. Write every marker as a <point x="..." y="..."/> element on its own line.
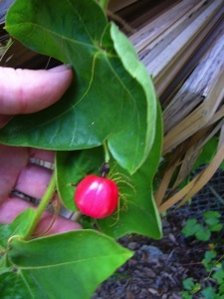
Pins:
<point x="43" y="205"/>
<point x="106" y="152"/>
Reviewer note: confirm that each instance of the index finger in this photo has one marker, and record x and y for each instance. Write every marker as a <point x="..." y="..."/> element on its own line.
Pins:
<point x="27" y="91"/>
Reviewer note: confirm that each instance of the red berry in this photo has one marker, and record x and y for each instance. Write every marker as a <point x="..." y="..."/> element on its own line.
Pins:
<point x="96" y="196"/>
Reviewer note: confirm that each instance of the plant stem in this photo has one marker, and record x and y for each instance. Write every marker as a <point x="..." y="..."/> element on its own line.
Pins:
<point x="106" y="153"/>
<point x="43" y="205"/>
<point x="105" y="167"/>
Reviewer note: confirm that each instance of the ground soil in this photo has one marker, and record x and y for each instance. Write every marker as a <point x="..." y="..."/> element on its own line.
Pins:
<point x="158" y="268"/>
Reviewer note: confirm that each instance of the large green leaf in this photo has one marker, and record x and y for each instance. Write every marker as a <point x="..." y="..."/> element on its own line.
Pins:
<point x="69" y="265"/>
<point x="103" y="3"/>
<point x="137" y="212"/>
<point x="18" y="227"/>
<point x="112" y="97"/>
<point x="9" y="283"/>
<point x="12" y="286"/>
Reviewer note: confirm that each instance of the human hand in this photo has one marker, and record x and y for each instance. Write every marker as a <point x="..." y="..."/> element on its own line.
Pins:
<point x="28" y="91"/>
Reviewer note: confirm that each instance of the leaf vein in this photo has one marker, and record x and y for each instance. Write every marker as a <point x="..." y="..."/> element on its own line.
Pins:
<point x="80" y="20"/>
<point x="26" y="283"/>
<point x="86" y="260"/>
<point x="60" y="36"/>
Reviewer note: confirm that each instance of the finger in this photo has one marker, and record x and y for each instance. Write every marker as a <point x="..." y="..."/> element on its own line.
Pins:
<point x="12" y="207"/>
<point x="33" y="180"/>
<point x="27" y="91"/>
<point x="51" y="225"/>
<point x="12" y="161"/>
<point x="47" y="156"/>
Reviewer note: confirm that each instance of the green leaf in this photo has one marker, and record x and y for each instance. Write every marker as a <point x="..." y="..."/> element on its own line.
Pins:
<point x="219" y="276"/>
<point x="131" y="63"/>
<point x="18" y="227"/>
<point x="4" y="267"/>
<point x="137" y="212"/>
<point x="112" y="97"/>
<point x="209" y="293"/>
<point x="190" y="228"/>
<point x="212" y="220"/>
<point x="66" y="265"/>
<point x="211" y="215"/>
<point x="210" y="255"/>
<point x="203" y="233"/>
<point x="208" y="260"/>
<point x="188" y="284"/>
<point x="221" y="289"/>
<point x="186" y="295"/>
<point x="216" y="227"/>
<point x="12" y="286"/>
<point x="191" y="286"/>
<point x="208" y="153"/>
<point x="103" y="3"/>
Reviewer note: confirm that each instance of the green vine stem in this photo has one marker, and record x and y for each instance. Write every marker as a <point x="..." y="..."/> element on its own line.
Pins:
<point x="105" y="168"/>
<point x="42" y="206"/>
<point x="106" y="152"/>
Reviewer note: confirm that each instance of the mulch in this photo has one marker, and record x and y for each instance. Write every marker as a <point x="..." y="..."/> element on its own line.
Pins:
<point x="158" y="267"/>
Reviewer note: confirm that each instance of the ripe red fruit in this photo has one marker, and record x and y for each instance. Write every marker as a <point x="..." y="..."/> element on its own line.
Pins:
<point x="96" y="196"/>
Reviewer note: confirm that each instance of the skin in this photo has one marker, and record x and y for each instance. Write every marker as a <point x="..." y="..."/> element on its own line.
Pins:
<point x="22" y="92"/>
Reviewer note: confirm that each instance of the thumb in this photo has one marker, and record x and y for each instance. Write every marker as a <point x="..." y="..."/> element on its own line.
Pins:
<point x="27" y="91"/>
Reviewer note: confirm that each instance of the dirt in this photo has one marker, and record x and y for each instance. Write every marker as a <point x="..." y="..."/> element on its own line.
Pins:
<point x="158" y="267"/>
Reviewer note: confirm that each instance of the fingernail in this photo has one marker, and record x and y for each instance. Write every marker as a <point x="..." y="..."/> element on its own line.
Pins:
<point x="60" y="68"/>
